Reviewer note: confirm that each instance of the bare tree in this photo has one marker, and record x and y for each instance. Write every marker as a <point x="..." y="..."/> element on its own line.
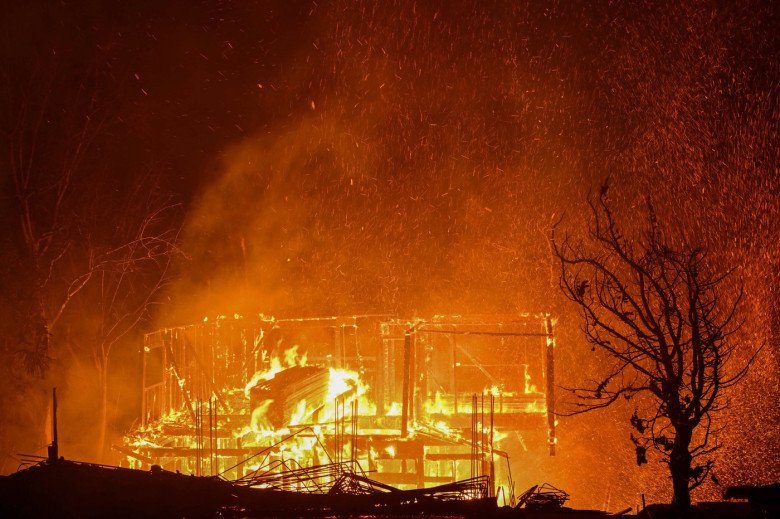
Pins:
<point x="133" y="269"/>
<point x="43" y="175"/>
<point x="49" y="128"/>
<point x="89" y="244"/>
<point x="667" y="324"/>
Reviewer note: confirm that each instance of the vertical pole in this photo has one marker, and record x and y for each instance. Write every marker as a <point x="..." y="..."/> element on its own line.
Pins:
<point x="216" y="438"/>
<point x="473" y="435"/>
<point x="337" y="347"/>
<point x="419" y="462"/>
<point x="453" y="382"/>
<point x="196" y="442"/>
<point x="353" y="454"/>
<point x="240" y="468"/>
<point x="492" y="486"/>
<point x="143" y="382"/>
<point x="421" y="362"/>
<point x="390" y="371"/>
<point x="339" y="439"/>
<point x="471" y="452"/>
<point x="336" y="431"/>
<point x="381" y="362"/>
<point x="550" y="376"/>
<point x="482" y="435"/>
<point x="344" y="355"/>
<point x="54" y="448"/>
<point x="211" y="440"/>
<point x="343" y="428"/>
<point x="413" y="378"/>
<point x="406" y="383"/>
<point x="165" y="381"/>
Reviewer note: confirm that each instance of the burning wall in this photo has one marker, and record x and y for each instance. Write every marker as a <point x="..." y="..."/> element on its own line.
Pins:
<point x="419" y="402"/>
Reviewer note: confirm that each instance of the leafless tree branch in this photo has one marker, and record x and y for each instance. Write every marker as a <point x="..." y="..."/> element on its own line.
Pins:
<point x="660" y="314"/>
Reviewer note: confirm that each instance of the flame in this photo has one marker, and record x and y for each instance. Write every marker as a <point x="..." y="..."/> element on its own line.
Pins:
<point x="259" y="421"/>
<point x="437" y="405"/>
<point x="536" y="406"/>
<point x="300" y="413"/>
<point x="529" y="388"/>
<point x="321" y="428"/>
<point x="290" y="358"/>
<point x="343" y="381"/>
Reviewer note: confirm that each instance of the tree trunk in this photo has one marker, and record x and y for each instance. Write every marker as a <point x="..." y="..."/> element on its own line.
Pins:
<point x="103" y="376"/>
<point x="680" y="468"/>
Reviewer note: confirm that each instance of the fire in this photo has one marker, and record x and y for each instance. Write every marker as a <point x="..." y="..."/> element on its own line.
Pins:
<point x="290" y="358"/>
<point x="306" y="404"/>
<point x="529" y="388"/>
<point x="395" y="409"/>
<point x="343" y="381"/>
<point x="259" y="422"/>
<point x="437" y="405"/>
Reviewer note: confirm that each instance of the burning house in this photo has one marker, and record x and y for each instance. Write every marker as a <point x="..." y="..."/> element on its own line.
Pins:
<point x="415" y="402"/>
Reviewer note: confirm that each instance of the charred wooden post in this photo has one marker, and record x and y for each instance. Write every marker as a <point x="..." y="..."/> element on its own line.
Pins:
<point x="54" y="449"/>
<point x="550" y="375"/>
<point x="453" y="379"/>
<point x="406" y="383"/>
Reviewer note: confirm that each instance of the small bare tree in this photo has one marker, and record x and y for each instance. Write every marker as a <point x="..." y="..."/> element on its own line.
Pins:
<point x="41" y="195"/>
<point x="128" y="284"/>
<point x="666" y="323"/>
<point x="89" y="247"/>
<point x="49" y="126"/>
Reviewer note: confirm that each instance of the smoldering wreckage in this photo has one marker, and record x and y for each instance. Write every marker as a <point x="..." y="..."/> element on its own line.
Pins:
<point x="339" y="416"/>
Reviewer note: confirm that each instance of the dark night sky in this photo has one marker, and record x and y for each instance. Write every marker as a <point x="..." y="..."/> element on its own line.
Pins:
<point x="180" y="79"/>
<point x="348" y="157"/>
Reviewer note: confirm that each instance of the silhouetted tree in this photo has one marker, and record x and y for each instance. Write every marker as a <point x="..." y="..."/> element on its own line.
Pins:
<point x="46" y="148"/>
<point x="89" y="241"/>
<point x="49" y="124"/>
<point x="664" y="319"/>
<point x="135" y="258"/>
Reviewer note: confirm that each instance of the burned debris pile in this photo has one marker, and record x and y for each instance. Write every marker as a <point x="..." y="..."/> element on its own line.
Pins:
<point x="69" y="489"/>
<point x="544" y="497"/>
<point x="62" y="488"/>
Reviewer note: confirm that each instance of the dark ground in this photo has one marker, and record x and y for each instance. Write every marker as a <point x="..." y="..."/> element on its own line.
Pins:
<point x="76" y="490"/>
